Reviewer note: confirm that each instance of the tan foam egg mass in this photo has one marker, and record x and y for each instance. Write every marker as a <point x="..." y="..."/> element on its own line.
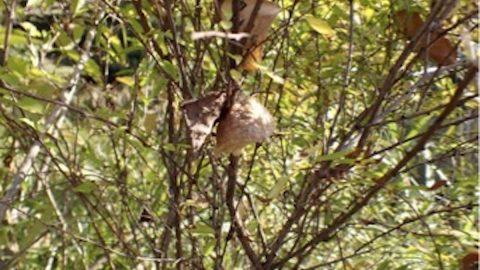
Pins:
<point x="247" y="122"/>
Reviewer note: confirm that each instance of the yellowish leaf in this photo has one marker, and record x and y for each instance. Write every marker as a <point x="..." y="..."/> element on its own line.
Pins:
<point x="278" y="188"/>
<point x="276" y="78"/>
<point x="128" y="81"/>
<point x="237" y="76"/>
<point x="150" y="121"/>
<point x="320" y="26"/>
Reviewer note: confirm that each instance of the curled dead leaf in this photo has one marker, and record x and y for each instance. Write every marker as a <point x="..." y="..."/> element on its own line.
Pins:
<point x="200" y="115"/>
<point x="258" y="33"/>
<point x="146" y="215"/>
<point x="438" y="184"/>
<point x="470" y="261"/>
<point x="440" y="49"/>
<point x="354" y="153"/>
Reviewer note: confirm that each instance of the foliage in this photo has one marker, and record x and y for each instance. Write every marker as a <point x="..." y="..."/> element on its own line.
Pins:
<point x="373" y="164"/>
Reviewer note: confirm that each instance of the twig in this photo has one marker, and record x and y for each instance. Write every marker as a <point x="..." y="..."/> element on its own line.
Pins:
<point x="383" y="180"/>
<point x="209" y="34"/>
<point x="54" y="120"/>
<point x="421" y="218"/>
<point x="10" y="9"/>
<point x="346" y="77"/>
<point x="237" y="225"/>
<point x="371" y="112"/>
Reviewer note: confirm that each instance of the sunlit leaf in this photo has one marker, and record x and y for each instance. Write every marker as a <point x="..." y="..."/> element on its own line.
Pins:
<point x="202" y="229"/>
<point x="127" y="80"/>
<point x="320" y="26"/>
<point x="150" y="121"/>
<point x="31" y="105"/>
<point x="170" y="69"/>
<point x="85" y="187"/>
<point x="33" y="3"/>
<point x="334" y="156"/>
<point x="76" y="6"/>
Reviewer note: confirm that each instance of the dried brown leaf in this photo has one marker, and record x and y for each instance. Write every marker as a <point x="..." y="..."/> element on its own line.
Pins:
<point x="200" y="115"/>
<point x="259" y="32"/>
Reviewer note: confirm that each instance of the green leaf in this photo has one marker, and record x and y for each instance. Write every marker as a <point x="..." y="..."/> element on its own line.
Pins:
<point x="33" y="3"/>
<point x="236" y="75"/>
<point x="11" y="78"/>
<point x="43" y="88"/>
<point x="334" y="156"/>
<point x="65" y="42"/>
<point x="31" y="29"/>
<point x="18" y="37"/>
<point x="18" y="64"/>
<point x="31" y="105"/>
<point x="32" y="233"/>
<point x="92" y="69"/>
<point x="91" y="156"/>
<point x="202" y="229"/>
<point x="320" y="26"/>
<point x="78" y="32"/>
<point x="77" y="6"/>
<point x="169" y="147"/>
<point x="419" y="126"/>
<point x="194" y="203"/>
<point x="74" y="55"/>
<point x="150" y="121"/>
<point x="127" y="80"/>
<point x="170" y="68"/>
<point x="236" y="57"/>
<point x="226" y="25"/>
<point x="209" y="247"/>
<point x="384" y="265"/>
<point x="4" y="239"/>
<point x="85" y="187"/>
<point x="278" y="188"/>
<point x="27" y="121"/>
<point x="275" y="78"/>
